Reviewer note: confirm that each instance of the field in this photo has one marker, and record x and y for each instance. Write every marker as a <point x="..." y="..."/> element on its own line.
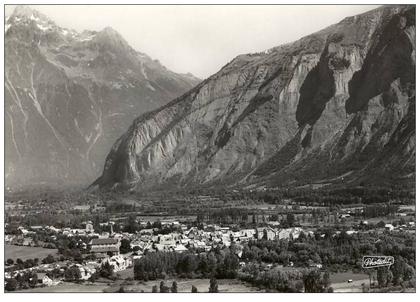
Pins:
<point x="68" y="287"/>
<point x="340" y="284"/>
<point x="127" y="273"/>
<point x="184" y="285"/>
<point x="26" y="252"/>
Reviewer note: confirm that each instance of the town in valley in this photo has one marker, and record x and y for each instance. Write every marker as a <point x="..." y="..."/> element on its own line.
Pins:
<point x="251" y="240"/>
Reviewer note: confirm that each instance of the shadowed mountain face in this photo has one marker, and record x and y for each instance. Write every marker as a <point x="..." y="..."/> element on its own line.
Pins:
<point x="337" y="105"/>
<point x="69" y="96"/>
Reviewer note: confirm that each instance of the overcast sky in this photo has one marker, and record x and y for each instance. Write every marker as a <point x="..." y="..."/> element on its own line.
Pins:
<point x="201" y="39"/>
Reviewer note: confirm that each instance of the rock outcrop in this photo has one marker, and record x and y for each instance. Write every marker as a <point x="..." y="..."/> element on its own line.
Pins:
<point x="338" y="104"/>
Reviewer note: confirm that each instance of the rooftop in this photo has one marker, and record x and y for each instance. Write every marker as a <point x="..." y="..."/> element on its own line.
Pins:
<point x="99" y="241"/>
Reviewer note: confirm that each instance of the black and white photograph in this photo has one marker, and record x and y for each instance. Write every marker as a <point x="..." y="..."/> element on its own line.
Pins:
<point x="209" y="148"/>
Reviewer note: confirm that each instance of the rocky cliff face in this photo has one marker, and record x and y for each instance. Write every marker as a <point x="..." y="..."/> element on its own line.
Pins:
<point x="338" y="104"/>
<point x="69" y="96"/>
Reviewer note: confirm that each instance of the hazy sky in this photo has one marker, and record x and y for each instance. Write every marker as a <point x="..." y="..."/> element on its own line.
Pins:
<point x="201" y="39"/>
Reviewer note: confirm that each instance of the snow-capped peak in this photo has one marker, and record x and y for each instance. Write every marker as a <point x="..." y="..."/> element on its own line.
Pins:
<point x="24" y="12"/>
<point x="26" y="15"/>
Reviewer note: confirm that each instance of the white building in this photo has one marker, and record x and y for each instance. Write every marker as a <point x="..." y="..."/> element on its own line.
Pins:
<point x="389" y="227"/>
<point x="119" y="262"/>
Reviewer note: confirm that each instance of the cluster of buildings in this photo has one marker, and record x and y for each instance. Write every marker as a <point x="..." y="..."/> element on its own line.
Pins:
<point x="411" y="225"/>
<point x="204" y="239"/>
<point x="86" y="270"/>
<point x="106" y="246"/>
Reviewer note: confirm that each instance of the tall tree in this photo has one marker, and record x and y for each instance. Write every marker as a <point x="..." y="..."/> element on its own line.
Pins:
<point x="11" y="285"/>
<point x="174" y="287"/>
<point x="163" y="287"/>
<point x="125" y="246"/>
<point x="214" y="287"/>
<point x="326" y="280"/>
<point x="290" y="218"/>
<point x="384" y="276"/>
<point x="312" y="282"/>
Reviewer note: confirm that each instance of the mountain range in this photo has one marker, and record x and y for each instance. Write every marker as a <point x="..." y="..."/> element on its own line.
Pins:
<point x="334" y="107"/>
<point x="70" y="95"/>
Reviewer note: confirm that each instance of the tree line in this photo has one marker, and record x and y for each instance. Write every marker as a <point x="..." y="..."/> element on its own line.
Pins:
<point x="221" y="263"/>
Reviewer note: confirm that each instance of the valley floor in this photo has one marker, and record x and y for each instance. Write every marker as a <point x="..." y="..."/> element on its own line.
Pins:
<point x="26" y="252"/>
<point x="184" y="286"/>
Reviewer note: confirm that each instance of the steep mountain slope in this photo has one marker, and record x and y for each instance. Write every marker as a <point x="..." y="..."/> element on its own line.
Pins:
<point x="69" y="96"/>
<point x="338" y="104"/>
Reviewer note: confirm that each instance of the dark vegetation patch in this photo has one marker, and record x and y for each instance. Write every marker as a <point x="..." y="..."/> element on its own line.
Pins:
<point x="339" y="63"/>
<point x="306" y="142"/>
<point x="254" y="104"/>
<point x="226" y="132"/>
<point x="223" y="136"/>
<point x="281" y="159"/>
